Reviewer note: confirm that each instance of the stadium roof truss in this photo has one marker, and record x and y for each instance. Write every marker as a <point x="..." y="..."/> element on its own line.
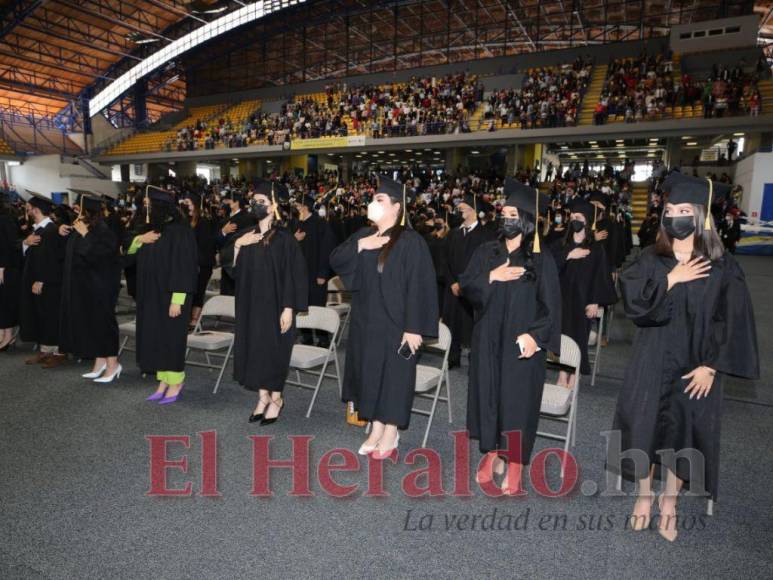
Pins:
<point x="56" y="54"/>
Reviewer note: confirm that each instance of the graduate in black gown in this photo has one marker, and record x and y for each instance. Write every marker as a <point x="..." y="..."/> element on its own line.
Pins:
<point x="271" y="288"/>
<point x="317" y="241"/>
<point x="92" y="278"/>
<point x="461" y="245"/>
<point x="236" y="224"/>
<point x="167" y="266"/>
<point x="10" y="272"/>
<point x="204" y="231"/>
<point x="695" y="323"/>
<point x="388" y="269"/>
<point x="514" y="289"/>
<point x="41" y="286"/>
<point x="586" y="282"/>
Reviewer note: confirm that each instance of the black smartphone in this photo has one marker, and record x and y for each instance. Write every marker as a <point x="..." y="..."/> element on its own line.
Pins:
<point x="405" y="351"/>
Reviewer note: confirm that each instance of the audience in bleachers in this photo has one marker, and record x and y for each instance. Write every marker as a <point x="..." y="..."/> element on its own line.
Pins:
<point x="549" y="97"/>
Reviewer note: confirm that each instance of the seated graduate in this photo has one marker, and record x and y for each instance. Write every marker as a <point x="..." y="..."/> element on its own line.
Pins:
<point x="514" y="289"/>
<point x="271" y="288"/>
<point x="689" y="300"/>
<point x="167" y="266"/>
<point x="88" y="328"/>
<point x="388" y="269"/>
<point x="586" y="282"/>
<point x="10" y="272"/>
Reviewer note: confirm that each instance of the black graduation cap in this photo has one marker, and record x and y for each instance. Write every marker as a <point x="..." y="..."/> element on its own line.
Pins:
<point x="195" y="198"/>
<point x="90" y="203"/>
<point x="528" y="199"/>
<point x="683" y="188"/>
<point x="598" y="197"/>
<point x="587" y="209"/>
<point x="397" y="191"/>
<point x="40" y="201"/>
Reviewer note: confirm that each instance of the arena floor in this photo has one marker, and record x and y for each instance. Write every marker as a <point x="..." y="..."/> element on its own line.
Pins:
<point x="75" y="472"/>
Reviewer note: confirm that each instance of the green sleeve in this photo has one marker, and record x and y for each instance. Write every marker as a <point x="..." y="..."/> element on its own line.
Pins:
<point x="136" y="243"/>
<point x="178" y="298"/>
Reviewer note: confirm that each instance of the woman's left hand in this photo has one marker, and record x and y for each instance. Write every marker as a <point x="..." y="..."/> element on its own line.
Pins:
<point x="414" y="341"/>
<point x="592" y="311"/>
<point x="285" y="320"/>
<point x="702" y="379"/>
<point x="175" y="310"/>
<point x="529" y="345"/>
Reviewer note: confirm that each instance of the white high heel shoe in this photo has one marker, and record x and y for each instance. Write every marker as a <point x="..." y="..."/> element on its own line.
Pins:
<point x="380" y="456"/>
<point x="115" y="375"/>
<point x="96" y="373"/>
<point x="366" y="449"/>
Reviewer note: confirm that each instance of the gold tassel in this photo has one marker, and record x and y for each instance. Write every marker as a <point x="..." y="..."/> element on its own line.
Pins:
<point x="707" y="224"/>
<point x="405" y="210"/>
<point x="536" y="249"/>
<point x="273" y="200"/>
<point x="147" y="205"/>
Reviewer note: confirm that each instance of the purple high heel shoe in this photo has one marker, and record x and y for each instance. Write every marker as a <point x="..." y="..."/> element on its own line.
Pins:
<point x="156" y="396"/>
<point x="168" y="400"/>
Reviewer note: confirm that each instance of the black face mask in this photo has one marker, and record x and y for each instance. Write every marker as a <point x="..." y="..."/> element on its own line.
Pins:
<point x="511" y="227"/>
<point x="259" y="210"/>
<point x="679" y="227"/>
<point x="577" y="225"/>
<point x="438" y="227"/>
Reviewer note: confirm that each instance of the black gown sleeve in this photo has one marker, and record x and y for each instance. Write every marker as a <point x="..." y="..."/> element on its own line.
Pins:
<point x="645" y="293"/>
<point x="421" y="304"/>
<point x="99" y="244"/>
<point x="602" y="290"/>
<point x="295" y="285"/>
<point x="183" y="260"/>
<point x="546" y="327"/>
<point x="343" y="260"/>
<point x="475" y="279"/>
<point x="733" y="344"/>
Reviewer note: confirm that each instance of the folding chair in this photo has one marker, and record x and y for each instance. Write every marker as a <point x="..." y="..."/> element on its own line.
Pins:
<point x="305" y="357"/>
<point x="213" y="342"/>
<point x="595" y="356"/>
<point x="127" y="330"/>
<point x="559" y="403"/>
<point x="335" y="292"/>
<point x="429" y="378"/>
<point x="214" y="282"/>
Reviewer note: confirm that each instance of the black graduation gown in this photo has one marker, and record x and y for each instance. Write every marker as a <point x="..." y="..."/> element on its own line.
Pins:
<point x="401" y="299"/>
<point x="169" y="265"/>
<point x="316" y="247"/>
<point x="10" y="261"/>
<point x="205" y="246"/>
<point x="43" y="263"/>
<point x="611" y="243"/>
<point x="438" y="249"/>
<point x="457" y="311"/>
<point x="704" y="322"/>
<point x="269" y="278"/>
<point x="90" y="285"/>
<point x="243" y="220"/>
<point x="584" y="281"/>
<point x="505" y="392"/>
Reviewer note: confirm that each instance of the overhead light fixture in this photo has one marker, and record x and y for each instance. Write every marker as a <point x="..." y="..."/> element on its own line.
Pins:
<point x="474" y="152"/>
<point x="654" y="139"/>
<point x="564" y="146"/>
<point x="619" y="140"/>
<point x="408" y="150"/>
<point x="738" y="134"/>
<point x="381" y="152"/>
<point x="686" y="137"/>
<point x="692" y="143"/>
<point x="269" y="161"/>
<point x="592" y="142"/>
<point x="391" y="154"/>
<point x="594" y="146"/>
<point x="139" y="38"/>
<point x="620" y="145"/>
<point x="204" y="7"/>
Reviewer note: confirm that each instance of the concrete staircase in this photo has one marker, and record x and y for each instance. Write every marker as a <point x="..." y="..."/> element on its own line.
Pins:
<point x="592" y="95"/>
<point x="639" y="196"/>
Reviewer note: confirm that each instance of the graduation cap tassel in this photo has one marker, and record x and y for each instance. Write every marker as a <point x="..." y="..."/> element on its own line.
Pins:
<point x="536" y="249"/>
<point x="405" y="210"/>
<point x="147" y="205"/>
<point x="707" y="224"/>
<point x="273" y="200"/>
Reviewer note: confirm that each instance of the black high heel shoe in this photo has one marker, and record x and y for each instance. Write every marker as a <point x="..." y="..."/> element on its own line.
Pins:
<point x="8" y="346"/>
<point x="266" y="421"/>
<point x="255" y="417"/>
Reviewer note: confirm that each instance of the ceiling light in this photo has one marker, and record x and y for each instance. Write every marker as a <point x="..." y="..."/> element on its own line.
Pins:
<point x="594" y="146"/>
<point x="686" y="137"/>
<point x="619" y="140"/>
<point x="474" y="152"/>
<point x="654" y="139"/>
<point x="738" y="134"/>
<point x="391" y="154"/>
<point x="620" y="145"/>
<point x="408" y="150"/>
<point x="564" y="146"/>
<point x="599" y="156"/>
<point x="381" y="152"/>
<point x="592" y="142"/>
<point x="691" y="143"/>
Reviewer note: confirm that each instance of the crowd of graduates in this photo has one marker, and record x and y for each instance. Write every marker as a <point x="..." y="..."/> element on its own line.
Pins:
<point x="506" y="267"/>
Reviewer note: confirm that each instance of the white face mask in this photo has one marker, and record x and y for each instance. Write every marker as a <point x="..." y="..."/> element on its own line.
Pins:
<point x="375" y="211"/>
<point x="322" y="212"/>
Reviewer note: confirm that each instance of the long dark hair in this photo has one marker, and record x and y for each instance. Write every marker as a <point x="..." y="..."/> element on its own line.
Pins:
<point x="569" y="237"/>
<point x="707" y="244"/>
<point x="394" y="234"/>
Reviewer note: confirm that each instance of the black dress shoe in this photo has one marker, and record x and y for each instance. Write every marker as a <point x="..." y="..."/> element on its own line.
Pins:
<point x="266" y="421"/>
<point x="254" y="418"/>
